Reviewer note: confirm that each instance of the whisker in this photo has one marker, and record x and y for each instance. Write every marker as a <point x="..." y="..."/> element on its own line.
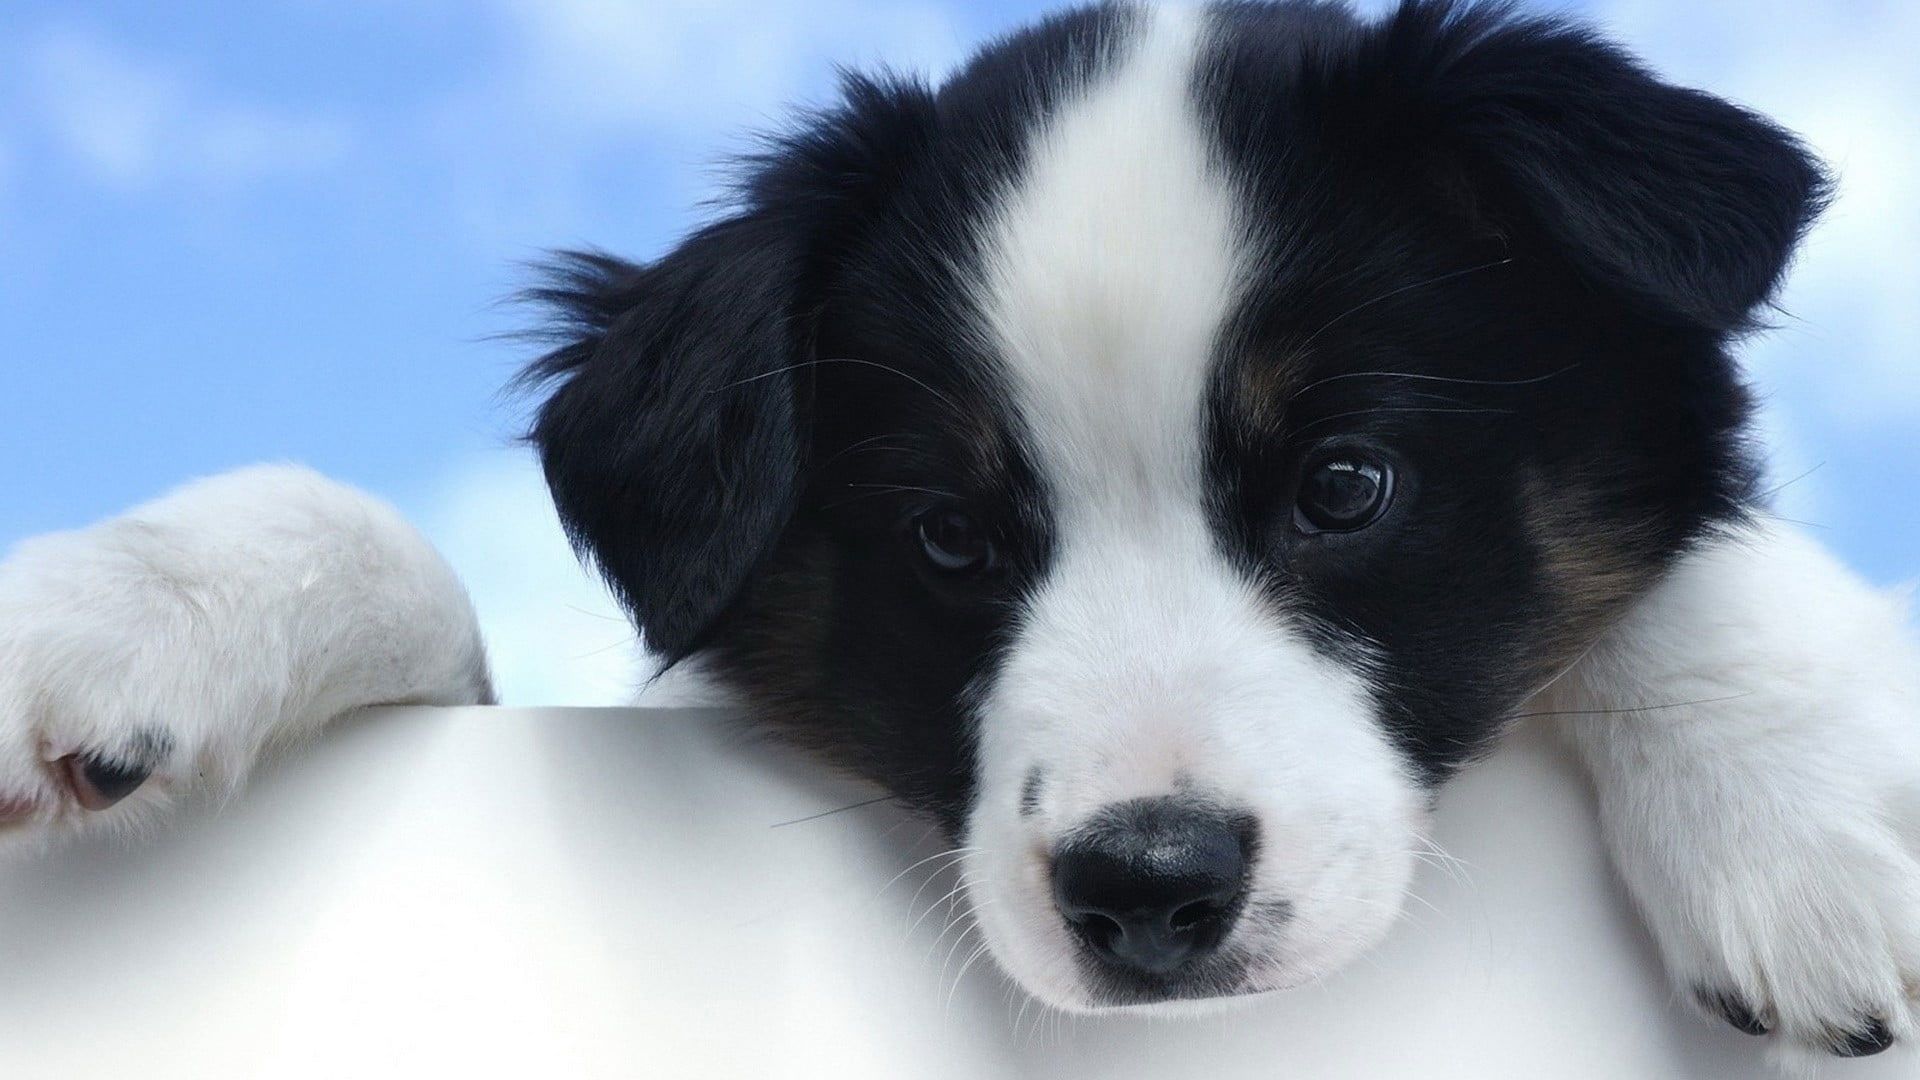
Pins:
<point x="1390" y="294"/>
<point x="1430" y="378"/>
<point x="1399" y="409"/>
<point x="1432" y="854"/>
<point x="889" y="489"/>
<point x="903" y="488"/>
<point x="965" y="922"/>
<point x="868" y="446"/>
<point x="961" y="976"/>
<point x="1633" y="709"/>
<point x="921" y="863"/>
<point x="1020" y="1018"/>
<point x="949" y="402"/>
<point x="1778" y="488"/>
<point x="590" y="654"/>
<point x="947" y="898"/>
<point x="594" y="614"/>
<point x="951" y="898"/>
<point x="829" y="813"/>
<point x="1792" y="521"/>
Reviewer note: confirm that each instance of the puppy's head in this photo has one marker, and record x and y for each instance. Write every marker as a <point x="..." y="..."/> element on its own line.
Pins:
<point x="1169" y="449"/>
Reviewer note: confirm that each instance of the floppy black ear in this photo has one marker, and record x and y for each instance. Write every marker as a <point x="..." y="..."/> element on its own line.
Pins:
<point x="673" y="447"/>
<point x="675" y="440"/>
<point x="1669" y="196"/>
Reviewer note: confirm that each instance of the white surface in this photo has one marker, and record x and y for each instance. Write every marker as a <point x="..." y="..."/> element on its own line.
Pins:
<point x="602" y="893"/>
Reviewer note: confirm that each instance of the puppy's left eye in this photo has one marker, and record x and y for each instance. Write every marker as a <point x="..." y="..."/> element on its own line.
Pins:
<point x="953" y="543"/>
<point x="1342" y="491"/>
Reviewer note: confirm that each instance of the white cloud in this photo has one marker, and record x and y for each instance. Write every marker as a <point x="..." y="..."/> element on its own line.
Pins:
<point x="553" y="634"/>
<point x="689" y="65"/>
<point x="664" y="87"/>
<point x="133" y="122"/>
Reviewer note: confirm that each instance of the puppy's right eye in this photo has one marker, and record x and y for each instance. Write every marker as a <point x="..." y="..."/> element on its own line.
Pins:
<point x="1344" y="491"/>
<point x="953" y="544"/>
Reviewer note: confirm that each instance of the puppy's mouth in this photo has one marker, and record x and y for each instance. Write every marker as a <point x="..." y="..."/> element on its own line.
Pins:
<point x="1235" y="957"/>
<point x="1216" y="982"/>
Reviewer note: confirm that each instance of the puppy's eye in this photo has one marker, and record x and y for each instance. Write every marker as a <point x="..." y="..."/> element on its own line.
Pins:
<point x="954" y="544"/>
<point x="1342" y="491"/>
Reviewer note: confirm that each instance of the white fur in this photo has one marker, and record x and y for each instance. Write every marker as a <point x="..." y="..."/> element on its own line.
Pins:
<point x="1767" y="830"/>
<point x="234" y="613"/>
<point x="1752" y="727"/>
<point x="1146" y="660"/>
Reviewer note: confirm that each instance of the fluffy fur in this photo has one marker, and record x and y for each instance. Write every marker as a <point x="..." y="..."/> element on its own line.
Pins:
<point x="184" y="637"/>
<point x="976" y="447"/>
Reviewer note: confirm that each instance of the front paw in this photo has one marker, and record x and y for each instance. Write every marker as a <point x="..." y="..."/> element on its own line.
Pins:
<point x="100" y="714"/>
<point x="1805" y="933"/>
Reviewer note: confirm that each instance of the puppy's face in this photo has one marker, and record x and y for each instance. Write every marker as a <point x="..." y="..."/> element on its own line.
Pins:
<point x="1168" y="451"/>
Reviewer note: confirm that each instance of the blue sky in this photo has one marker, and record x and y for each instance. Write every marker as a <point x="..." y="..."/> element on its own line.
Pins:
<point x="233" y="232"/>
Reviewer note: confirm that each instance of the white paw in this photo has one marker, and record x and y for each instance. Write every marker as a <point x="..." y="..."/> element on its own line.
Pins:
<point x="166" y="648"/>
<point x="1756" y="751"/>
<point x="1797" y="928"/>
<point x="85" y="734"/>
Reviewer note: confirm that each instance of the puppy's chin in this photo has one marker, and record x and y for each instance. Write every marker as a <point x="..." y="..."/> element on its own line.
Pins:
<point x="1194" y="1008"/>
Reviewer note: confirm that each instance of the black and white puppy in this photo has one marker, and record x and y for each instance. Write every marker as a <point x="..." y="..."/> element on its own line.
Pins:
<point x="1163" y="454"/>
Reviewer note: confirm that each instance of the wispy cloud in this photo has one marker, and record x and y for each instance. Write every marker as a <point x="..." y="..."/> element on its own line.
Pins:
<point x="130" y="121"/>
<point x="687" y="65"/>
<point x="597" y="121"/>
<point x="553" y="634"/>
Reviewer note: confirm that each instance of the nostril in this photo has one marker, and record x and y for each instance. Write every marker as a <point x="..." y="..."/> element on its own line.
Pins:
<point x="1099" y="930"/>
<point x="1194" y="914"/>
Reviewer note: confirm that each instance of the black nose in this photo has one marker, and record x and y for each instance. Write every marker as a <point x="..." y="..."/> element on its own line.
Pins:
<point x="1153" y="884"/>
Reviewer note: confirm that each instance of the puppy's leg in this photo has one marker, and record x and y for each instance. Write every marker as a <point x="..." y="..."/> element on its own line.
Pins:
<point x="164" y="649"/>
<point x="1753" y="729"/>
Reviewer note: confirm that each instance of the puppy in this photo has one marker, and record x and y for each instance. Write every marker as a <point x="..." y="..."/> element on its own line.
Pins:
<point x="1163" y="454"/>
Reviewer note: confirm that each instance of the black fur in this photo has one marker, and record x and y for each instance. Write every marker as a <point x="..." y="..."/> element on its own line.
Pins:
<point x="1557" y="245"/>
<point x="1551" y="249"/>
<point x="740" y="431"/>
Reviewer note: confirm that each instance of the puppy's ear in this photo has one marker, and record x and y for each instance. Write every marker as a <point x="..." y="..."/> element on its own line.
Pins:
<point x="673" y="447"/>
<point x="675" y="438"/>
<point x="1670" y="197"/>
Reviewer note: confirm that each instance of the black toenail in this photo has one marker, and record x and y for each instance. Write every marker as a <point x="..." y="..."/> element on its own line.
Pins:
<point x="1738" y="1013"/>
<point x="115" y="781"/>
<point x="99" y="783"/>
<point x="1867" y="1042"/>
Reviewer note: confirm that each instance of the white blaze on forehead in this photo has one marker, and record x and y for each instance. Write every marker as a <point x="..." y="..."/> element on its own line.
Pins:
<point x="1111" y="268"/>
<point x="1145" y="658"/>
<point x="1145" y="661"/>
